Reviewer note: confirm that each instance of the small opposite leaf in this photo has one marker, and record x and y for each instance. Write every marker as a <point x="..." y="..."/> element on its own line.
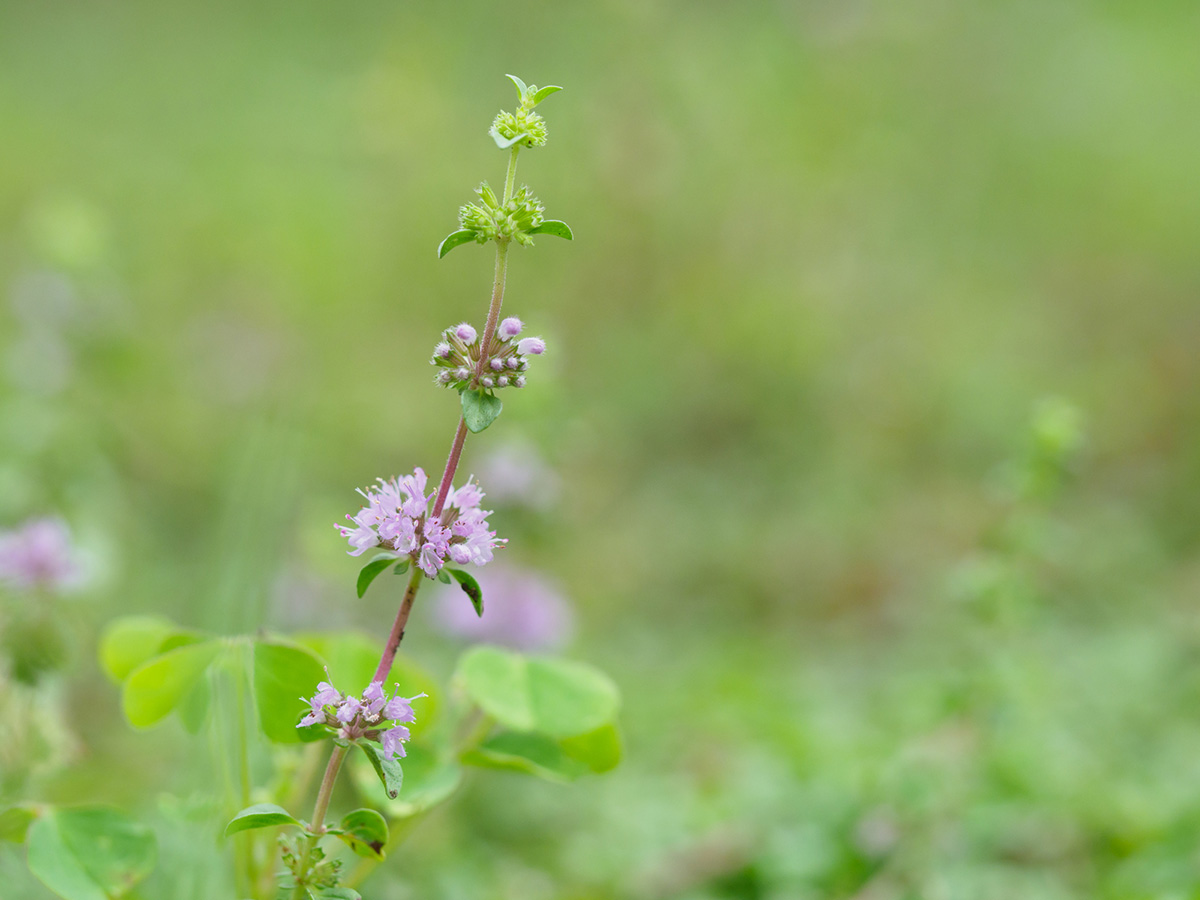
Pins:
<point x="470" y="587"/>
<point x="453" y="240"/>
<point x="260" y="815"/>
<point x="554" y="227"/>
<point x="387" y="767"/>
<point x="443" y="576"/>
<point x="545" y="92"/>
<point x="480" y="409"/>
<point x="371" y="570"/>
<point x="15" y="822"/>
<point x="90" y="852"/>
<point x="366" y="833"/>
<point x="522" y="89"/>
<point x="505" y="143"/>
<point x="402" y="567"/>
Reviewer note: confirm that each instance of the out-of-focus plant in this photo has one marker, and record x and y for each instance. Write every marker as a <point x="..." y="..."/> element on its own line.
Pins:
<point x="544" y="716"/>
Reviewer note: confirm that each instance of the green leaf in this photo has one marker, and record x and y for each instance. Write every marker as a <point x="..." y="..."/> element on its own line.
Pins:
<point x="551" y="696"/>
<point x="158" y="686"/>
<point x="371" y="571"/>
<point x="366" y="833"/>
<point x="505" y="143"/>
<point x="533" y="754"/>
<point x="554" y="227"/>
<point x="599" y="750"/>
<point x="545" y="92"/>
<point x="15" y="821"/>
<point x="387" y="767"/>
<point x="334" y="893"/>
<point x="131" y="640"/>
<point x="283" y="675"/>
<point x="470" y="587"/>
<point x="430" y="778"/>
<point x="90" y="852"/>
<point x="454" y="239"/>
<point x="480" y="409"/>
<point x="401" y="567"/>
<point x="260" y="815"/>
<point x="443" y="576"/>
<point x="193" y="710"/>
<point x="522" y="89"/>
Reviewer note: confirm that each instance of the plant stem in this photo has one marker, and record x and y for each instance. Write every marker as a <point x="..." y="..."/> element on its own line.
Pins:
<point x="397" y="634"/>
<point x="510" y="176"/>
<point x="316" y="827"/>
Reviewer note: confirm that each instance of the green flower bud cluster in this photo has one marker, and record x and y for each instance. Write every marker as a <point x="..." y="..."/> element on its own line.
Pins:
<point x="523" y="128"/>
<point x="492" y="220"/>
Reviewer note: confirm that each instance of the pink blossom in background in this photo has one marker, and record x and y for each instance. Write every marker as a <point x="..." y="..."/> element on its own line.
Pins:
<point x="521" y="610"/>
<point x="39" y="554"/>
<point x="516" y="473"/>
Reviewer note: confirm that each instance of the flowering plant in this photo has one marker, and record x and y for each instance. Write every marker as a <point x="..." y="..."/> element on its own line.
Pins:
<point x="538" y="715"/>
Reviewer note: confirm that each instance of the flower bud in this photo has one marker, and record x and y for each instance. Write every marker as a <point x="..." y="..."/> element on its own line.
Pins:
<point x="510" y="328"/>
<point x="531" y="346"/>
<point x="465" y="333"/>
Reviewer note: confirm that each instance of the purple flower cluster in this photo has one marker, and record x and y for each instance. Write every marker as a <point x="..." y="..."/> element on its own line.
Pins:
<point x="523" y="610"/>
<point x="39" y="554"/>
<point x="364" y="717"/>
<point x="396" y="518"/>
<point x="459" y="353"/>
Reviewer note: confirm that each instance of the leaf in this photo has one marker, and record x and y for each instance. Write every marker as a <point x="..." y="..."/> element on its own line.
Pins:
<point x="554" y="227"/>
<point x="334" y="893"/>
<point x="545" y="92"/>
<point x="533" y="754"/>
<point x="158" y="686"/>
<point x="470" y="587"/>
<point x="522" y="89"/>
<point x="401" y="567"/>
<point x="193" y="709"/>
<point x="371" y="571"/>
<point x="454" y="239"/>
<point x="366" y="833"/>
<point x="429" y="779"/>
<point x="387" y="767"/>
<point x="480" y="409"/>
<point x="599" y="750"/>
<point x="90" y="852"/>
<point x="551" y="696"/>
<point x="260" y="815"/>
<point x="443" y="576"/>
<point x="15" y="822"/>
<point x="131" y="640"/>
<point x="504" y="143"/>
<point x="283" y="675"/>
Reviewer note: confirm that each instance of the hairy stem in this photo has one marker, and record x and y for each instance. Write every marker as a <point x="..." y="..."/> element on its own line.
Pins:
<point x="510" y="176"/>
<point x="316" y="827"/>
<point x="397" y="634"/>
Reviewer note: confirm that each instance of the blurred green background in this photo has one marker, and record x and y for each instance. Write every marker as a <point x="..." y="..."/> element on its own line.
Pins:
<point x="871" y="393"/>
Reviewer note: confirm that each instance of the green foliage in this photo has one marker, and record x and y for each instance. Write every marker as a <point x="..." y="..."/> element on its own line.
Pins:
<point x="386" y="767"/>
<point x="15" y="822"/>
<point x="128" y="642"/>
<point x="456" y="239"/>
<point x="533" y="754"/>
<point x="470" y="587"/>
<point x="260" y="815"/>
<point x="365" y="831"/>
<point x="553" y="227"/>
<point x="553" y="697"/>
<point x="480" y="409"/>
<point x="371" y="570"/>
<point x="334" y="893"/>
<point x="283" y="675"/>
<point x="90" y="852"/>
<point x="430" y="777"/>
<point x="158" y="686"/>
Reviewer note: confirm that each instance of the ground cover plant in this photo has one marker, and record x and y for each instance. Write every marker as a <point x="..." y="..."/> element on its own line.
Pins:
<point x="540" y="715"/>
